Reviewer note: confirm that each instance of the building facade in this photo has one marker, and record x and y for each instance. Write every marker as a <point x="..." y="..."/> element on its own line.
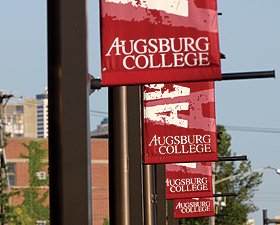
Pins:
<point x="42" y="115"/>
<point x="20" y="119"/>
<point x="19" y="176"/>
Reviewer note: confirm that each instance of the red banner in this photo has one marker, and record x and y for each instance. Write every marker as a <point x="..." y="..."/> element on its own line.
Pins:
<point x="194" y="207"/>
<point x="156" y="41"/>
<point x="188" y="180"/>
<point x="180" y="123"/>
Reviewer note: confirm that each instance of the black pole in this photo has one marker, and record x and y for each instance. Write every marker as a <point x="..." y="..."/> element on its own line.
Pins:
<point x="149" y="195"/>
<point x="161" y="194"/>
<point x="69" y="139"/>
<point x="171" y="219"/>
<point x="232" y="158"/>
<point x="118" y="157"/>
<point x="265" y="217"/>
<point x="248" y="75"/>
<point x="135" y="154"/>
<point x="225" y="195"/>
<point x="266" y="220"/>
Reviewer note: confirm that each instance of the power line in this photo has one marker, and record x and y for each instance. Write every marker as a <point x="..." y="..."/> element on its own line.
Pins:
<point x="253" y="129"/>
<point x="101" y="112"/>
<point x="96" y="115"/>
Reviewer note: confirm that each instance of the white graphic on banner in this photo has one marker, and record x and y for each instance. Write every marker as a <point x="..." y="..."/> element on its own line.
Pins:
<point x="188" y="165"/>
<point x="158" y="112"/>
<point x="177" y="7"/>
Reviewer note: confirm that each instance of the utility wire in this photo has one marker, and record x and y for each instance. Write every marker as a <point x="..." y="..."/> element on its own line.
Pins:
<point x="95" y="111"/>
<point x="228" y="127"/>
<point x="96" y="115"/>
<point x="253" y="129"/>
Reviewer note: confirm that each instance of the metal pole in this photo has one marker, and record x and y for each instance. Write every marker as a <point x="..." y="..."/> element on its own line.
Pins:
<point x="69" y="139"/>
<point x="135" y="154"/>
<point x="212" y="218"/>
<point x="265" y="217"/>
<point x="171" y="219"/>
<point x="232" y="158"/>
<point x="225" y="195"/>
<point x="118" y="157"/>
<point x="248" y="75"/>
<point x="149" y="195"/>
<point x="161" y="194"/>
<point x="1" y="145"/>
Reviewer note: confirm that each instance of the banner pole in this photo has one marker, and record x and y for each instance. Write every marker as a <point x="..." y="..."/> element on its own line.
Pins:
<point x="118" y="157"/>
<point x="212" y="218"/>
<point x="69" y="136"/>
<point x="161" y="194"/>
<point x="149" y="195"/>
<point x="248" y="75"/>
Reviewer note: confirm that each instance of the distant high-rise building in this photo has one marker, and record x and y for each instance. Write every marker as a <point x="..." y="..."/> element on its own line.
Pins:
<point x="20" y="119"/>
<point x="42" y="115"/>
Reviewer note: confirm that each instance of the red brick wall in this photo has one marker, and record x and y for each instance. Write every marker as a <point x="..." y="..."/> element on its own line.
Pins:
<point x="99" y="159"/>
<point x="100" y="180"/>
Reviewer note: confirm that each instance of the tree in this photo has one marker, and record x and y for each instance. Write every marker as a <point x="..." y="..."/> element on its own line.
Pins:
<point x="7" y="211"/>
<point x="106" y="221"/>
<point x="244" y="186"/>
<point x="32" y="208"/>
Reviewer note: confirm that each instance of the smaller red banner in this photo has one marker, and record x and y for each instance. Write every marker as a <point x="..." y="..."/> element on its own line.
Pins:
<point x="180" y="123"/>
<point x="188" y="180"/>
<point x="194" y="207"/>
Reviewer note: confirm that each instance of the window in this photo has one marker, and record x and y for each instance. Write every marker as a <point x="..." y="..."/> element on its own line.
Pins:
<point x="19" y="109"/>
<point x="41" y="175"/>
<point x="12" y="173"/>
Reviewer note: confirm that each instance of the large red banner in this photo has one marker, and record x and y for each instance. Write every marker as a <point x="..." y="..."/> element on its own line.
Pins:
<point x="188" y="180"/>
<point x="180" y="122"/>
<point x="196" y="207"/>
<point x="156" y="41"/>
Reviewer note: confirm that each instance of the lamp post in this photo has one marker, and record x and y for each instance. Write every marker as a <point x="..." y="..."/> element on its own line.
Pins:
<point x="212" y="219"/>
<point x="247" y="173"/>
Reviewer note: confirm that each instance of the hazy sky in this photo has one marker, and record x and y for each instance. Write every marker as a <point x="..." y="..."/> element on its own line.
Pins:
<point x="249" y="37"/>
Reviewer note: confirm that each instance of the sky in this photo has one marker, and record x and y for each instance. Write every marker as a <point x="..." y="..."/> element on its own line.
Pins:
<point x="249" y="34"/>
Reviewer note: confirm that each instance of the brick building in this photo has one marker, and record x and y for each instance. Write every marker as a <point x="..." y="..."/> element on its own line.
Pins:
<point x="19" y="177"/>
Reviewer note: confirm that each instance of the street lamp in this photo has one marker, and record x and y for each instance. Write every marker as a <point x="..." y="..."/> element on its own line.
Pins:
<point x="212" y="219"/>
<point x="247" y="173"/>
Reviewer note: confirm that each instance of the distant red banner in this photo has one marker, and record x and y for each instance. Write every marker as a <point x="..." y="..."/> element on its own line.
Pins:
<point x="188" y="180"/>
<point x="196" y="207"/>
<point x="156" y="41"/>
<point x="180" y="123"/>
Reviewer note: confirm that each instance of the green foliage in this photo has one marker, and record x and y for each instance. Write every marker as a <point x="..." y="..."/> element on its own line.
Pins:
<point x="244" y="186"/>
<point x="21" y="217"/>
<point x="32" y="208"/>
<point x="4" y="143"/>
<point x="194" y="221"/>
<point x="7" y="214"/>
<point x="106" y="221"/>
